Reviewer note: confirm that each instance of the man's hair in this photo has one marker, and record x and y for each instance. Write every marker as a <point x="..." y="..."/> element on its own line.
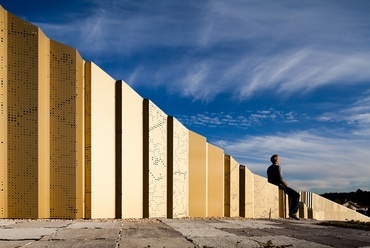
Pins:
<point x="274" y="158"/>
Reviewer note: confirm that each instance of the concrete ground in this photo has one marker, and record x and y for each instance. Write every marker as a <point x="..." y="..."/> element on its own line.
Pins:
<point x="189" y="232"/>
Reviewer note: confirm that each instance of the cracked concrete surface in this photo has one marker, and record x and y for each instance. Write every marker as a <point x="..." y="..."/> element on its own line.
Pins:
<point x="188" y="232"/>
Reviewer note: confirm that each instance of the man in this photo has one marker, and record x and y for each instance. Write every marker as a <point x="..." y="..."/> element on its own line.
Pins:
<point x="275" y="176"/>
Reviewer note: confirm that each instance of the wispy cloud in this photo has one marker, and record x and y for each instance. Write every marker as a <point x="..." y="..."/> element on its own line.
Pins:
<point x="310" y="161"/>
<point x="244" y="48"/>
<point x="238" y="120"/>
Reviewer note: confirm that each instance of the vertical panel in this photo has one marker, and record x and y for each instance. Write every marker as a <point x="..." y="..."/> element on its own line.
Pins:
<point x="180" y="176"/>
<point x="66" y="129"/>
<point x="249" y="194"/>
<point x="118" y="129"/>
<point x="215" y="181"/>
<point x="197" y="175"/>
<point x="170" y="163"/>
<point x="234" y="187"/>
<point x="266" y="198"/>
<point x="87" y="175"/>
<point x="231" y="187"/>
<point x="44" y="127"/>
<point x="132" y="153"/>
<point x="3" y="114"/>
<point x="102" y="134"/>
<point x="155" y="162"/>
<point x="227" y="187"/>
<point x="242" y="191"/>
<point x="22" y="107"/>
<point x="80" y="136"/>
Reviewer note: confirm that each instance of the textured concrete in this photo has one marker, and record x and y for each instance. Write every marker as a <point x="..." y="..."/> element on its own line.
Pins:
<point x="195" y="232"/>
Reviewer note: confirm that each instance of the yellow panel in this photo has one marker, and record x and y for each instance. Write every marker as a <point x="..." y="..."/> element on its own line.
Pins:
<point x="66" y="127"/>
<point x="22" y="107"/>
<point x="80" y="136"/>
<point x="44" y="127"/>
<point x="88" y="140"/>
<point x="180" y="169"/>
<point x="197" y="175"/>
<point x="132" y="153"/>
<point x="3" y="114"/>
<point x="102" y="136"/>
<point x="215" y="181"/>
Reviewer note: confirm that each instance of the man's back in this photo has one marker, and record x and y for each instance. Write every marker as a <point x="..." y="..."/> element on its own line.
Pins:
<point x="274" y="174"/>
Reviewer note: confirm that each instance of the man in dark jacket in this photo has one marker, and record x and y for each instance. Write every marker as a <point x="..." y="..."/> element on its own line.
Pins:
<point x="275" y="176"/>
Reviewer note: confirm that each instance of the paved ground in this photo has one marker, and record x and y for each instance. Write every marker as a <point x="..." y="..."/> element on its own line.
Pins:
<point x="178" y="233"/>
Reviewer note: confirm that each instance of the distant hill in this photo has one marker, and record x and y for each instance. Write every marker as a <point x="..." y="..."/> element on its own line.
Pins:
<point x="361" y="198"/>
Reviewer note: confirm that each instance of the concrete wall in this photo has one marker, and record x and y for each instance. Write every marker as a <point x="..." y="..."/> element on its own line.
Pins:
<point x="266" y="198"/>
<point x="324" y="209"/>
<point x="261" y="199"/>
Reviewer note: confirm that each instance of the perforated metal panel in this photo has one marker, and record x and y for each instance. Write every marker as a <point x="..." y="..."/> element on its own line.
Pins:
<point x="180" y="169"/>
<point x="157" y="161"/>
<point x="3" y="113"/>
<point x="22" y="118"/>
<point x="64" y="166"/>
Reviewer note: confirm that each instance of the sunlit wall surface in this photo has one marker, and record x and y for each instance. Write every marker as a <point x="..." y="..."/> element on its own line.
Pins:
<point x="197" y="175"/>
<point x="66" y="132"/>
<point x="131" y="156"/>
<point x="155" y="160"/>
<point x="178" y="169"/>
<point x="231" y="188"/>
<point x="101" y="169"/>
<point x="215" y="174"/>
<point x="20" y="117"/>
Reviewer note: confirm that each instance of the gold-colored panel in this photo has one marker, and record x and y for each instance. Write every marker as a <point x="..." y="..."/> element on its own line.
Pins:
<point x="3" y="114"/>
<point x="64" y="157"/>
<point x="44" y="127"/>
<point x="22" y="101"/>
<point x="215" y="181"/>
<point x="88" y="140"/>
<point x="197" y="175"/>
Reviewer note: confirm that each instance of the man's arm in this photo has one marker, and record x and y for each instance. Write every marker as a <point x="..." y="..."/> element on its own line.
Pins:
<point x="282" y="179"/>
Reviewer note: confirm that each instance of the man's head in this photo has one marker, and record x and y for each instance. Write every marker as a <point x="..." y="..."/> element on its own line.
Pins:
<point x="275" y="159"/>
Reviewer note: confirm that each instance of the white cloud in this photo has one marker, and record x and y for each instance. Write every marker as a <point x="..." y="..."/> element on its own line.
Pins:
<point x="244" y="48"/>
<point x="309" y="161"/>
<point x="237" y="120"/>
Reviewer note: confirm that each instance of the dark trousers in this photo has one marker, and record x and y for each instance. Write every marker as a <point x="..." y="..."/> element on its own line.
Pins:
<point x="294" y="195"/>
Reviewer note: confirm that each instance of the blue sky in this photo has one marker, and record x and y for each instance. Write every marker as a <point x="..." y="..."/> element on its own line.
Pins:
<point x="254" y="77"/>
